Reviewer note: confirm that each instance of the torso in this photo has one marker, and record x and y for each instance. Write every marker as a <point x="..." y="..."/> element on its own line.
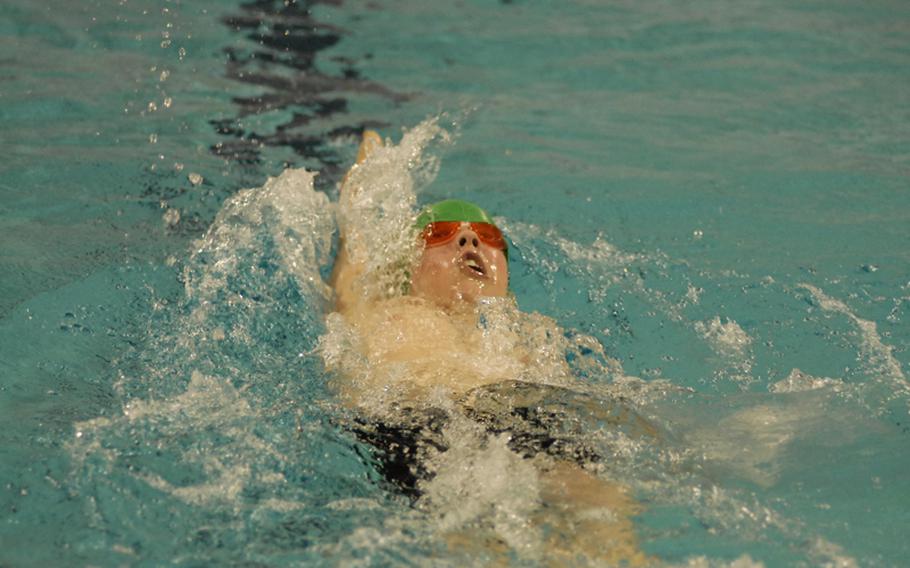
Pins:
<point x="411" y="348"/>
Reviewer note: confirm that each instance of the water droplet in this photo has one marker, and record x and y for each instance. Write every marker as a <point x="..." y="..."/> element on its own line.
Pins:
<point x="171" y="217"/>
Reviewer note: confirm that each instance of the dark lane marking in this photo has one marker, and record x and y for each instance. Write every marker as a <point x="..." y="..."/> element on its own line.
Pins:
<point x="282" y="57"/>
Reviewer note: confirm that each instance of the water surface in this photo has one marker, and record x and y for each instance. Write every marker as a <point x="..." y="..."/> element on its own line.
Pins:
<point x="715" y="193"/>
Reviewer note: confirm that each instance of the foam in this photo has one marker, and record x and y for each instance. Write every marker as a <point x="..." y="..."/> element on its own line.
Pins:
<point x="599" y="252"/>
<point x="830" y="555"/>
<point x="749" y="442"/>
<point x="296" y="218"/>
<point x="798" y="381"/>
<point x="726" y="337"/>
<point x="601" y="263"/>
<point x="876" y="356"/>
<point x="208" y="404"/>
<point x="479" y="480"/>
<point x="377" y="208"/>
<point x="731" y="343"/>
<point x="744" y="561"/>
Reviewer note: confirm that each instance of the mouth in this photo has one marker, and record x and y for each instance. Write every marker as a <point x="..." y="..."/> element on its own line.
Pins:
<point x="474" y="265"/>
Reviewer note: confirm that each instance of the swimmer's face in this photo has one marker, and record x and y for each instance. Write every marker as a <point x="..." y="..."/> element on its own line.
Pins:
<point x="461" y="270"/>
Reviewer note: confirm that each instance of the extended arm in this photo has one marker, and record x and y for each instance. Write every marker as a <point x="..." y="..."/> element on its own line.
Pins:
<point x="345" y="272"/>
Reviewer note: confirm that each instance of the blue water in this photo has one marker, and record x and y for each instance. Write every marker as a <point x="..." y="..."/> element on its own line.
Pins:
<point x="717" y="193"/>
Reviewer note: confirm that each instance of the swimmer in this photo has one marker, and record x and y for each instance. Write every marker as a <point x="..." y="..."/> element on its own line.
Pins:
<point x="426" y="345"/>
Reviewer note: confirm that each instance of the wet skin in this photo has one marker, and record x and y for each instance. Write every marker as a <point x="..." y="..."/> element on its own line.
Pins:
<point x="460" y="270"/>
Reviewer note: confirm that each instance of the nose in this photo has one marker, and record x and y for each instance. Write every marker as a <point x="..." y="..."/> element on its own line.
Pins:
<point x="467" y="237"/>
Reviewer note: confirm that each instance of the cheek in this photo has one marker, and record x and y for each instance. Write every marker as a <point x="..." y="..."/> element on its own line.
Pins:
<point x="502" y="273"/>
<point x="435" y="260"/>
<point x="501" y="270"/>
<point x="499" y="262"/>
<point x="434" y="265"/>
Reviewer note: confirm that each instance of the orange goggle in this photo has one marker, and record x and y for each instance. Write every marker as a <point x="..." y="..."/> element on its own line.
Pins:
<point x="441" y="232"/>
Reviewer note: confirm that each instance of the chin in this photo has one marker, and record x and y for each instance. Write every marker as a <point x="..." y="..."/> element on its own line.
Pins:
<point x="470" y="291"/>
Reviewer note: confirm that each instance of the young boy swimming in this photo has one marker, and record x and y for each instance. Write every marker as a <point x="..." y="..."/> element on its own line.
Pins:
<point x="428" y="336"/>
<point x="425" y="358"/>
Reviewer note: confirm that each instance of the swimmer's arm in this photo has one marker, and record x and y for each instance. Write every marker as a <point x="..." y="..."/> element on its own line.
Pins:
<point x="588" y="516"/>
<point x="344" y="275"/>
<point x="345" y="272"/>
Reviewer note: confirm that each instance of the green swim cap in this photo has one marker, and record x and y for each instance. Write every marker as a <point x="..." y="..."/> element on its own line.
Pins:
<point x="452" y="210"/>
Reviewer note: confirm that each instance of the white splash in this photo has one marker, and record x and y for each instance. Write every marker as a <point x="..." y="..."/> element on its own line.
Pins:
<point x="830" y="555"/>
<point x="299" y="221"/>
<point x="601" y="263"/>
<point x="877" y="357"/>
<point x="377" y="208"/>
<point x="484" y="482"/>
<point x="209" y="403"/>
<point x="599" y="252"/>
<point x="744" y="561"/>
<point x="798" y="381"/>
<point x="748" y="443"/>
<point x="727" y="338"/>
<point x="731" y="343"/>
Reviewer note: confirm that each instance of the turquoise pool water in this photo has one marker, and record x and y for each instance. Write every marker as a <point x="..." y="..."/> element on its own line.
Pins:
<point x="715" y="192"/>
